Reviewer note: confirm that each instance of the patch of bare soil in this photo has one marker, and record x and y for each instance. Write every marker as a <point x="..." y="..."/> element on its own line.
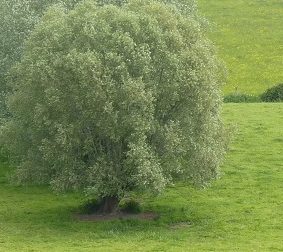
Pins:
<point x="116" y="216"/>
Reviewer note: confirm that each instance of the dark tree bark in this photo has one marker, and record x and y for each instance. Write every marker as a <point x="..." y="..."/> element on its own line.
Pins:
<point x="109" y="204"/>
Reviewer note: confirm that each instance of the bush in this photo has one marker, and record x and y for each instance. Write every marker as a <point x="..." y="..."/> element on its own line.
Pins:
<point x="273" y="94"/>
<point x="239" y="98"/>
<point x="111" y="99"/>
<point x="130" y="205"/>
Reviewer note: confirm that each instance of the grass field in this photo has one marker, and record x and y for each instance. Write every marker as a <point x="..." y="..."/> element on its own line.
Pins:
<point x="242" y="211"/>
<point x="249" y="37"/>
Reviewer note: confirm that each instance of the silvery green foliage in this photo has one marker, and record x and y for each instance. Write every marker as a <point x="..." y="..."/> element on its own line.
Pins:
<point x="113" y="2"/>
<point x="186" y="7"/>
<point x="17" y="19"/>
<point x="112" y="99"/>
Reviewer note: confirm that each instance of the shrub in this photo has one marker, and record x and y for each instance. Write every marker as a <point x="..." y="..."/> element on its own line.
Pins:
<point x="130" y="205"/>
<point x="239" y="98"/>
<point x="112" y="99"/>
<point x="273" y="94"/>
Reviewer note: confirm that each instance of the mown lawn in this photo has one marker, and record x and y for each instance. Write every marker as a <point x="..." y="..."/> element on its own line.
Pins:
<point x="243" y="211"/>
<point x="249" y="38"/>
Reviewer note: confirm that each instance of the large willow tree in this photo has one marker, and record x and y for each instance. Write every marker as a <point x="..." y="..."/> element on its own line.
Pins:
<point x="114" y="98"/>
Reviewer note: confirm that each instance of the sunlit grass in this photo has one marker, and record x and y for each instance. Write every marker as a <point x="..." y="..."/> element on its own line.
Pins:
<point x="249" y="38"/>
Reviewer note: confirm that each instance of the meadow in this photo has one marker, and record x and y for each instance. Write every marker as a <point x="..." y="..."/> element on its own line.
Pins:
<point x="248" y="35"/>
<point x="242" y="211"/>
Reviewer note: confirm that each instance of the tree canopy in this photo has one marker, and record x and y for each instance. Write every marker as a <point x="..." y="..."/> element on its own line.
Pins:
<point x="17" y="19"/>
<point x="113" y="98"/>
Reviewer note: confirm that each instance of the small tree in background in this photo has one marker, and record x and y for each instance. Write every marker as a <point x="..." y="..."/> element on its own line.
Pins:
<point x="111" y="99"/>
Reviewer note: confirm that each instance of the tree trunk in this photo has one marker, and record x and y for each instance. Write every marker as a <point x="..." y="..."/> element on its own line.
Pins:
<point x="109" y="204"/>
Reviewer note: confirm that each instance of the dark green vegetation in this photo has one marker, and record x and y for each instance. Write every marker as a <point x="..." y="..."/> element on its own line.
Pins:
<point x="130" y="205"/>
<point x="249" y="38"/>
<point x="240" y="212"/>
<point x="273" y="94"/>
<point x="241" y="98"/>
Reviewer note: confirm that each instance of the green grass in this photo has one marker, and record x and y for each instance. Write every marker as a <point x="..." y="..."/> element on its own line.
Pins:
<point x="249" y="38"/>
<point x="242" y="211"/>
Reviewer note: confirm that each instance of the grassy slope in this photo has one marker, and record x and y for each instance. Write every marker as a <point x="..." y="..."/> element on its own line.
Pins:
<point x="241" y="212"/>
<point x="249" y="36"/>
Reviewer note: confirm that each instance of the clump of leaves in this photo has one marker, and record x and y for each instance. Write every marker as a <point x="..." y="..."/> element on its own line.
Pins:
<point x="130" y="205"/>
<point x="17" y="19"/>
